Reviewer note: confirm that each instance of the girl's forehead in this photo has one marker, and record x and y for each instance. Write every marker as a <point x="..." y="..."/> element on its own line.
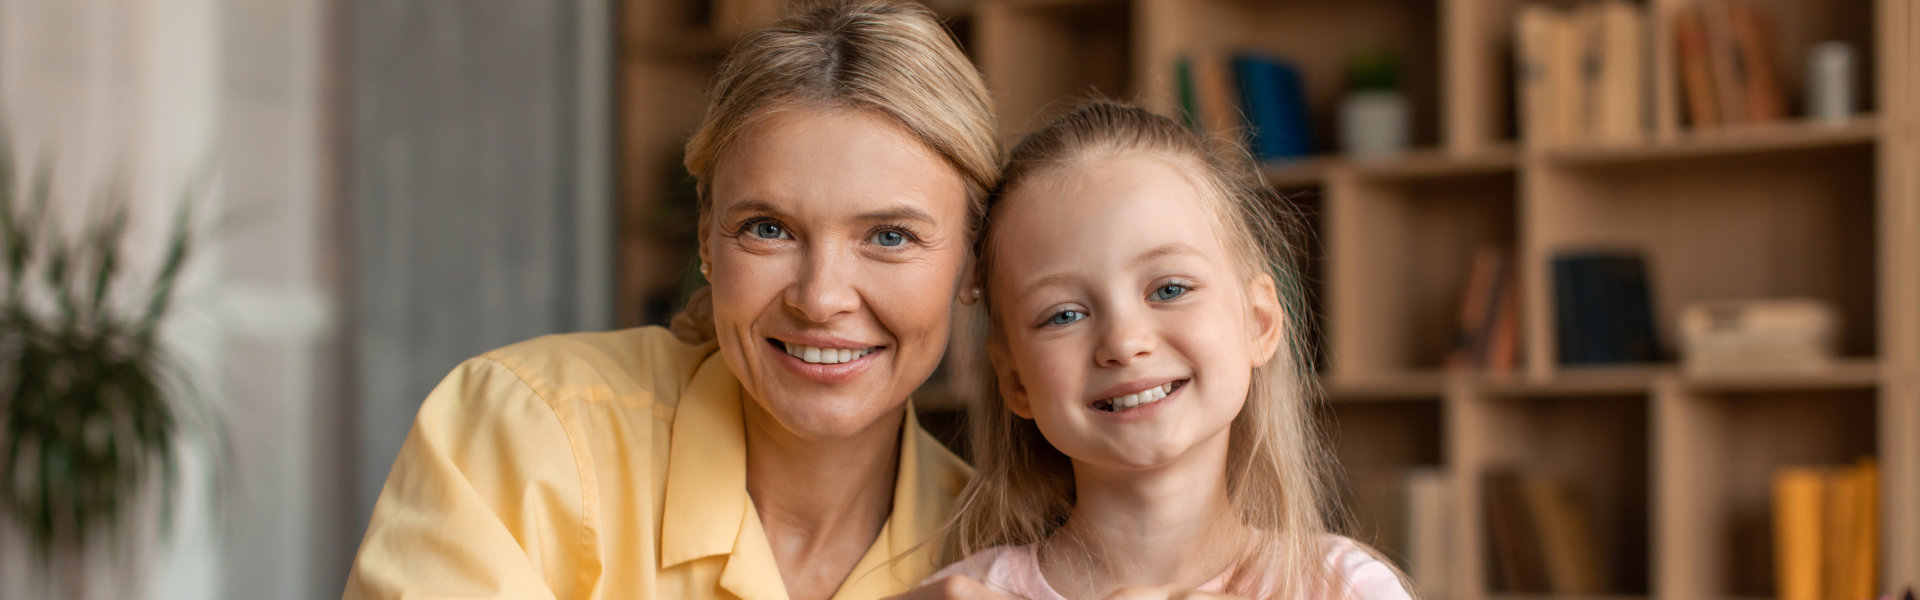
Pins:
<point x="1099" y="215"/>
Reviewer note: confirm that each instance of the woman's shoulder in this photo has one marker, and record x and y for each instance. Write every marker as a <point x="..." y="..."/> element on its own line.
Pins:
<point x="1364" y="574"/>
<point x="645" y="363"/>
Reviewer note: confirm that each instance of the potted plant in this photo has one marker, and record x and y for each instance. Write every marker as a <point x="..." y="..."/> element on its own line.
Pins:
<point x="91" y="403"/>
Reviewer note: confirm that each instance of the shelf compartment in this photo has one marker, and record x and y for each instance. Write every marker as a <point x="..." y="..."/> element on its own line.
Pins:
<point x="1595" y="444"/>
<point x="1777" y="225"/>
<point x="1322" y="39"/>
<point x="1717" y="453"/>
<point x="1038" y="56"/>
<point x="1380" y="446"/>
<point x="1405" y="248"/>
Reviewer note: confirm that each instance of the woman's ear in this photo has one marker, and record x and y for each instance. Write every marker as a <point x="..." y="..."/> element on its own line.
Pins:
<point x="1012" y="392"/>
<point x="1269" y="318"/>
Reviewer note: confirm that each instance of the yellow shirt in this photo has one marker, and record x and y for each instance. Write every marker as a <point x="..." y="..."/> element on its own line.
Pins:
<point x="607" y="465"/>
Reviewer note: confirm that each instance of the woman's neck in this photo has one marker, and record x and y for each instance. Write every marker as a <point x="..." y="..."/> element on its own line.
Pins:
<point x="1170" y="525"/>
<point x="821" y="502"/>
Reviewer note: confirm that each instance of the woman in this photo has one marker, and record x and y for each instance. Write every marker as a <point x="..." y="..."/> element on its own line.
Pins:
<point x="765" y="448"/>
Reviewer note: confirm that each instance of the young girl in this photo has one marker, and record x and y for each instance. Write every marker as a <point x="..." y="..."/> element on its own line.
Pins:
<point x="1151" y="426"/>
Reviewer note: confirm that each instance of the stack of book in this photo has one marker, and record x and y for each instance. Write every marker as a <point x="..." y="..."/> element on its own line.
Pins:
<point x="1728" y="70"/>
<point x="1826" y="532"/>
<point x="1581" y="73"/>
<point x="1604" y="309"/>
<point x="1248" y="92"/>
<point x="1770" y="335"/>
<point x="1542" y="536"/>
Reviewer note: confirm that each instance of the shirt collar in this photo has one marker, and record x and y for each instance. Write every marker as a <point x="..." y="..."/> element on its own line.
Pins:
<point x="706" y="495"/>
<point x="707" y="511"/>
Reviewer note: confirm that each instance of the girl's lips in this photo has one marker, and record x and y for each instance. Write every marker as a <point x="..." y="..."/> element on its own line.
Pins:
<point x="1141" y="404"/>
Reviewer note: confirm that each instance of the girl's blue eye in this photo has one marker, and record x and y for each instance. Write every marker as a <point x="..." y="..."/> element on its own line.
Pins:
<point x="889" y="238"/>
<point x="769" y="231"/>
<point x="1169" y="291"/>
<point x="1066" y="316"/>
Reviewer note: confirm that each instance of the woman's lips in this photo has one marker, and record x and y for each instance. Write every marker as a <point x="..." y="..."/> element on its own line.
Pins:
<point x="832" y="363"/>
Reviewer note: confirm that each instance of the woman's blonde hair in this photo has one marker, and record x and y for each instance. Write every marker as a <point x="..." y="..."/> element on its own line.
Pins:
<point x="1277" y="469"/>
<point x="894" y="59"/>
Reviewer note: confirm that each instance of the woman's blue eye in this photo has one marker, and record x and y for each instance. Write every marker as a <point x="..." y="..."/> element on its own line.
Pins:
<point x="769" y="231"/>
<point x="1066" y="316"/>
<point x="1169" y="291"/>
<point x="889" y="238"/>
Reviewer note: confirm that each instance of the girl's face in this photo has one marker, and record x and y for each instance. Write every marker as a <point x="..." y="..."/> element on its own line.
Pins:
<point x="1131" y="337"/>
<point x="836" y="240"/>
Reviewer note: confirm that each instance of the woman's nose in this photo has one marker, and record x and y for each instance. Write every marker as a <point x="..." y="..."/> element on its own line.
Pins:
<point x="1126" y="337"/>
<point x="825" y="287"/>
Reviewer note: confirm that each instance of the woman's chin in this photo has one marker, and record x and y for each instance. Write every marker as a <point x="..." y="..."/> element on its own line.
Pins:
<point x="832" y="418"/>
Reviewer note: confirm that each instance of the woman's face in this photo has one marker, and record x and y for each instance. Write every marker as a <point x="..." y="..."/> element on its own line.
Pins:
<point x="836" y="241"/>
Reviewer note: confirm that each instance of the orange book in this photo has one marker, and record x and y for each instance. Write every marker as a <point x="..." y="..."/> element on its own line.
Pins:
<point x="1842" y="519"/>
<point x="1696" y="71"/>
<point x="1215" y="96"/>
<point x="1799" y="496"/>
<point x="1754" y="36"/>
<point x="1863" y="573"/>
<point x="1729" y="85"/>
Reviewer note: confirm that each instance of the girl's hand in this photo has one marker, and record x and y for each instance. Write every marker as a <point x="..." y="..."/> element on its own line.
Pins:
<point x="951" y="587"/>
<point x="1166" y="593"/>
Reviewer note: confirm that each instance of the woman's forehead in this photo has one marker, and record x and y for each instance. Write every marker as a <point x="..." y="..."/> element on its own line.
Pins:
<point x="842" y="160"/>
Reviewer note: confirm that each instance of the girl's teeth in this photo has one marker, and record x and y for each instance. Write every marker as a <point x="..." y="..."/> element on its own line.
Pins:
<point x="825" y="356"/>
<point x="1139" y="399"/>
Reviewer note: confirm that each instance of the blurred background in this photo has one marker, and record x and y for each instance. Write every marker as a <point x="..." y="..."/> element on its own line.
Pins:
<point x="1614" y="298"/>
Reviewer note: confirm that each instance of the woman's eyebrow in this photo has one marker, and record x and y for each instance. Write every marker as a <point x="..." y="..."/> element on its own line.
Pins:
<point x="752" y="205"/>
<point x="898" y="213"/>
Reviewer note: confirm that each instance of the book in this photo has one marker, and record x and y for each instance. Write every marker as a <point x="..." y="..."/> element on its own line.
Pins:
<point x="1510" y="535"/>
<point x="1184" y="88"/>
<point x="1567" y="540"/>
<point x="1274" y="102"/>
<point x="1696" y="69"/>
<point x="1799" y="500"/>
<point x="1753" y="36"/>
<point x="1535" y="26"/>
<point x="1729" y="83"/>
<point x="1427" y="542"/>
<point x="1604" y="306"/>
<point x="1620" y="112"/>
<point x="1827" y="531"/>
<point x="1488" y="333"/>
<point x="1214" y="94"/>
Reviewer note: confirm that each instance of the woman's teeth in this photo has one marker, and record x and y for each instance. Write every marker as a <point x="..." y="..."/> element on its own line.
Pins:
<point x="1137" y="399"/>
<point x="825" y="356"/>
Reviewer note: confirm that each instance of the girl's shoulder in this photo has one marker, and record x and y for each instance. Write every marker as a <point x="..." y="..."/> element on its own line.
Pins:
<point x="1013" y="570"/>
<point x="1363" y="574"/>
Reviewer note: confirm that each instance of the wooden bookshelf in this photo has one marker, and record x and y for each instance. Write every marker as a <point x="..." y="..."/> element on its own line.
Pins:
<point x="1674" y="466"/>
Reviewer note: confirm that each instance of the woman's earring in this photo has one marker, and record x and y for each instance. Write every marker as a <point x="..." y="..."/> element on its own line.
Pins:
<point x="971" y="296"/>
<point x="706" y="270"/>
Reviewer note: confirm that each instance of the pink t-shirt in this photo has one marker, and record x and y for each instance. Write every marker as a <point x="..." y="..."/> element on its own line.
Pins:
<point x="1015" y="571"/>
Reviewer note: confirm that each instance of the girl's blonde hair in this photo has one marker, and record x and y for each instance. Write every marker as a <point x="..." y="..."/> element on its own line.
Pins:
<point x="1277" y="467"/>
<point x="894" y="59"/>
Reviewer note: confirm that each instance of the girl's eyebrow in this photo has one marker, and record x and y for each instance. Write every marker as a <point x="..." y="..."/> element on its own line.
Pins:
<point x="1167" y="249"/>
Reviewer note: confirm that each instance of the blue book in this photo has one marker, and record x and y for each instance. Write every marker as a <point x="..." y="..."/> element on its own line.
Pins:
<point x="1275" y="105"/>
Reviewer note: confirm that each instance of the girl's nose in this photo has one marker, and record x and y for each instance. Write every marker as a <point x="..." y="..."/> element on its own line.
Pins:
<point x="1127" y="337"/>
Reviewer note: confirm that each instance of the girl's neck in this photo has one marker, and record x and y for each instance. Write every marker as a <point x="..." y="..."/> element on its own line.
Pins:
<point x="1169" y="525"/>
